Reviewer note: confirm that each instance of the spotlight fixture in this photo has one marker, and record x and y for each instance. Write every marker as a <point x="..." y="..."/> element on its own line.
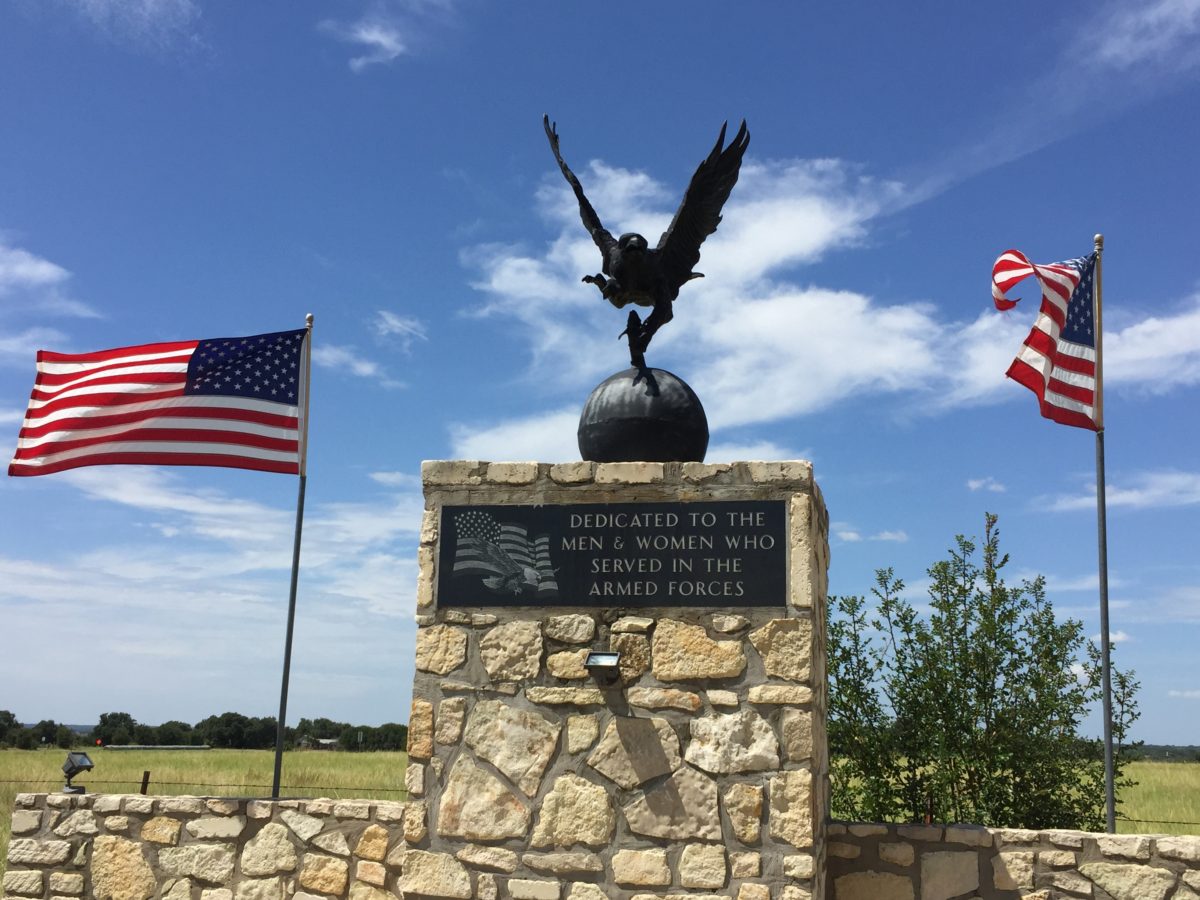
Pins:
<point x="76" y="763"/>
<point x="604" y="666"/>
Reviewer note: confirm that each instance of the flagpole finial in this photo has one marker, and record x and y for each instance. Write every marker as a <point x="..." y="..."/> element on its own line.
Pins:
<point x="308" y="319"/>
<point x="1099" y="242"/>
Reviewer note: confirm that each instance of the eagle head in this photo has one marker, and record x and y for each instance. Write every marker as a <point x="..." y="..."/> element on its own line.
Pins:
<point x="632" y="241"/>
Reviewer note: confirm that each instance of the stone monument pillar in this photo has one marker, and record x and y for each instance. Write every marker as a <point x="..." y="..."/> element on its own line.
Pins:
<point x="694" y="763"/>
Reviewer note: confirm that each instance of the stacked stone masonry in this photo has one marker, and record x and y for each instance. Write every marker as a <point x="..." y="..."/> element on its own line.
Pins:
<point x="700" y="774"/>
<point x="936" y="862"/>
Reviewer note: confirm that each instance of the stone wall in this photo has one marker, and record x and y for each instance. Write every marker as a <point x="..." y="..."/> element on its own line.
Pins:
<point x="113" y="847"/>
<point x="935" y="862"/>
<point x="701" y="774"/>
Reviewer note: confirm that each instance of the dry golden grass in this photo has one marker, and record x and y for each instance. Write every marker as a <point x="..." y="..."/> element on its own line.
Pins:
<point x="219" y="773"/>
<point x="1166" y="799"/>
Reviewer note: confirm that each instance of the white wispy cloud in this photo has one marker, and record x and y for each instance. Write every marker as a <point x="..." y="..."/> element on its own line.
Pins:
<point x="404" y="329"/>
<point x="1129" y="37"/>
<point x="1189" y="694"/>
<point x="34" y="281"/>
<point x="987" y="483"/>
<point x="348" y="359"/>
<point x="20" y="348"/>
<point x="1145" y="490"/>
<point x="548" y="436"/>
<point x="376" y="35"/>
<point x="154" y="24"/>
<point x="848" y="533"/>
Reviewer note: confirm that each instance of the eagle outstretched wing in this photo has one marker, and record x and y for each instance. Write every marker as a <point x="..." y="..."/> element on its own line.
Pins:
<point x="700" y="212"/>
<point x="603" y="238"/>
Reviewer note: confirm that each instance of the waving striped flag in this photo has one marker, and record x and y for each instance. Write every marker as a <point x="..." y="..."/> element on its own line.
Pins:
<point x="1058" y="359"/>
<point x="232" y="402"/>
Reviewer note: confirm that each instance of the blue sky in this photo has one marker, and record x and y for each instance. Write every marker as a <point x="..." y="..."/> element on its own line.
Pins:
<point x="178" y="169"/>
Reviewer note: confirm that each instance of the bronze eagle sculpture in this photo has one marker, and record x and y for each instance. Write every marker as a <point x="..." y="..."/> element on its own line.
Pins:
<point x="634" y="273"/>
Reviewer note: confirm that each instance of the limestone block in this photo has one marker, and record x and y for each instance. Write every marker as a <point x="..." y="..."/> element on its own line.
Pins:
<point x="372" y="873"/>
<point x="352" y="809"/>
<point x="574" y="811"/>
<point x="452" y="472"/>
<point x="220" y="807"/>
<point x="796" y="729"/>
<point x="1072" y="839"/>
<point x="901" y="853"/>
<point x="799" y="865"/>
<point x="255" y="889"/>
<point x="1129" y="846"/>
<point x="205" y="862"/>
<point x="574" y="628"/>
<point x="485" y="887"/>
<point x="1183" y="892"/>
<point x="480" y="857"/>
<point x="723" y="698"/>
<point x="430" y="522"/>
<point x="702" y="866"/>
<point x="1057" y="859"/>
<point x="518" y="742"/>
<point x="476" y="805"/>
<point x="139" y="806"/>
<point x="429" y="874"/>
<point x="26" y="821"/>
<point x="791" y="812"/>
<point x="529" y="889"/>
<point x="119" y="870"/>
<point x="420" y="729"/>
<point x="1130" y="882"/>
<point x="30" y="852"/>
<point x="573" y="472"/>
<point x="684" y="652"/>
<point x="259" y="809"/>
<point x="1184" y="847"/>
<point x="582" y="732"/>
<point x="948" y="873"/>
<point x="865" y="829"/>
<point x="682" y="807"/>
<point x="162" y="830"/>
<point x="269" y="852"/>
<point x="441" y="649"/>
<point x="663" y="698"/>
<point x="644" y="868"/>
<point x="785" y="646"/>
<point x="873" y="886"/>
<point x="564" y="863"/>
<point x="209" y="828"/>
<point x="361" y="890"/>
<point x="568" y="664"/>
<point x="372" y="843"/>
<point x="792" y="892"/>
<point x="415" y="828"/>
<point x="390" y="810"/>
<point x="481" y="619"/>
<point x="1065" y="880"/>
<point x="1011" y="870"/>
<point x="332" y="842"/>
<point x="324" y="874"/>
<point x="414" y="779"/>
<point x="512" y="652"/>
<point x="426" y="572"/>
<point x="972" y="835"/>
<point x="512" y="472"/>
<point x="795" y="473"/>
<point x="745" y="865"/>
<point x="304" y="827"/>
<point x="632" y="625"/>
<point x="583" y="891"/>
<point x="22" y="884"/>
<point x="634" y="750"/>
<point x="192" y="806"/>
<point x="696" y="472"/>
<point x="82" y="821"/>
<point x="66" y="883"/>
<point x="565" y="696"/>
<point x="450" y="714"/>
<point x="629" y="473"/>
<point x="1015" y="836"/>
<point x="727" y="624"/>
<point x="842" y="850"/>
<point x="780" y="694"/>
<point x="754" y="892"/>
<point x="733" y="742"/>
<point x="919" y="832"/>
<point x="744" y="806"/>
<point x="635" y="655"/>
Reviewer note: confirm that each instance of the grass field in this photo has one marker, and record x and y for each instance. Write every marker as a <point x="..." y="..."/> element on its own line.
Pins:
<point x="220" y="773"/>
<point x="1166" y="799"/>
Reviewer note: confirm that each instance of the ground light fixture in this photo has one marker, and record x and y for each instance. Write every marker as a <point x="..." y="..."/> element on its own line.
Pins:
<point x="76" y="763"/>
<point x="604" y="666"/>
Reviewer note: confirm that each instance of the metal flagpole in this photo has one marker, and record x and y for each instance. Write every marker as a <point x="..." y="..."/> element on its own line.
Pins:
<point x="291" y="620"/>
<point x="1110" y="800"/>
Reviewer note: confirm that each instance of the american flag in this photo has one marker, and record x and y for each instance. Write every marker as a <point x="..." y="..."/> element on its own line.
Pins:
<point x="1058" y="359"/>
<point x="232" y="402"/>
<point x="503" y="554"/>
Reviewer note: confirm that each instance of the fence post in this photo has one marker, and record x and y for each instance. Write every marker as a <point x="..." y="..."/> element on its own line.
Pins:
<point x="145" y="781"/>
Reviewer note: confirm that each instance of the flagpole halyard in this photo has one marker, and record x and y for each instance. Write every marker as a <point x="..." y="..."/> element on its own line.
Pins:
<point x="1110" y="801"/>
<point x="281" y="723"/>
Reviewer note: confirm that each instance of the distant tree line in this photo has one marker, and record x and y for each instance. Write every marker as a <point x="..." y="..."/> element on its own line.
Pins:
<point x="228" y="730"/>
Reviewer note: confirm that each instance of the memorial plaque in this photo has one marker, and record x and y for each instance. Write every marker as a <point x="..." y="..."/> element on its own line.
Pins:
<point x="727" y="553"/>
